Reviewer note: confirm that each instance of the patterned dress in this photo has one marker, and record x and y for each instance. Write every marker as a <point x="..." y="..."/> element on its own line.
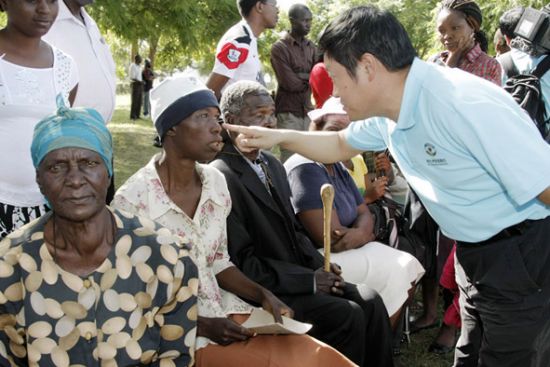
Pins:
<point x="138" y="307"/>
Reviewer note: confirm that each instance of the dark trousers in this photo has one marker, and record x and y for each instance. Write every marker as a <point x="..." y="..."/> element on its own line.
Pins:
<point x="137" y="97"/>
<point x="359" y="328"/>
<point x="505" y="299"/>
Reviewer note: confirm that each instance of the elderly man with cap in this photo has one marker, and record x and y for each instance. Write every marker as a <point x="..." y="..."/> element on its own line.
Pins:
<point x="192" y="200"/>
<point x="86" y="285"/>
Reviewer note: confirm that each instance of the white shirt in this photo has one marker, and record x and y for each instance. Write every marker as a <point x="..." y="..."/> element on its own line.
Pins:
<point x="237" y="55"/>
<point x="27" y="95"/>
<point x="83" y="41"/>
<point x="135" y="72"/>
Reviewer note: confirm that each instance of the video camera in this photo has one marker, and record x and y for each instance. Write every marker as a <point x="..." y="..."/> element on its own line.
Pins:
<point x="534" y="29"/>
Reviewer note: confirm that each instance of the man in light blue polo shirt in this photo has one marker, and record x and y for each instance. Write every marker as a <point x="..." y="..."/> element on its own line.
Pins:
<point x="475" y="160"/>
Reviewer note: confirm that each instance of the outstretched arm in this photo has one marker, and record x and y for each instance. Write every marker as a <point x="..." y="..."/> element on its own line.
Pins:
<point x="324" y="147"/>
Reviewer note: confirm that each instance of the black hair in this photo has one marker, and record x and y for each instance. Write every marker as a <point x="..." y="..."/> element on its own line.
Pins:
<point x="367" y="29"/>
<point x="509" y="20"/>
<point x="473" y="15"/>
<point x="297" y="10"/>
<point x="245" y="6"/>
<point x="138" y="57"/>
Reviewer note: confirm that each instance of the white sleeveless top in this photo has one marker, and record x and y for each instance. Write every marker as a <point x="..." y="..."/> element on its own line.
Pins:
<point x="26" y="96"/>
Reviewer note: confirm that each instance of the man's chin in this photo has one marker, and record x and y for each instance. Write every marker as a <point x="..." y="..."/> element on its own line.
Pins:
<point x="252" y="155"/>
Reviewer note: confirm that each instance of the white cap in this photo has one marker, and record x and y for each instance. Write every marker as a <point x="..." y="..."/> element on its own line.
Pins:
<point x="332" y="106"/>
<point x="176" y="98"/>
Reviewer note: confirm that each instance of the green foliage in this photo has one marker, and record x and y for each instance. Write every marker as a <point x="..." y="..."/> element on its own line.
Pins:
<point x="177" y="34"/>
<point x="178" y="31"/>
<point x="418" y="17"/>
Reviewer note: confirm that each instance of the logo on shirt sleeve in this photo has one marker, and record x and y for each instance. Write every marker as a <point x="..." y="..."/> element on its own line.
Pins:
<point x="232" y="56"/>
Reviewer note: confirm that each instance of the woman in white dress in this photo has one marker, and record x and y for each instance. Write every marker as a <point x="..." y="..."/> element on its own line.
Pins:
<point x="32" y="75"/>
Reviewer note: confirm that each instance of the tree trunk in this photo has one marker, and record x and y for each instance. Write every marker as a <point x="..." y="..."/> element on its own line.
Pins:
<point x="153" y="46"/>
<point x="135" y="49"/>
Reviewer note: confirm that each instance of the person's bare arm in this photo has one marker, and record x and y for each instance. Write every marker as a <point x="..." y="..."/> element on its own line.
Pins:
<point x="322" y="146"/>
<point x="216" y="82"/>
<point x="545" y="196"/>
<point x="374" y="190"/>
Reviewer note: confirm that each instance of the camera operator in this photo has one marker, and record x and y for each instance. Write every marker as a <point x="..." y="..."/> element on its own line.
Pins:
<point x="524" y="56"/>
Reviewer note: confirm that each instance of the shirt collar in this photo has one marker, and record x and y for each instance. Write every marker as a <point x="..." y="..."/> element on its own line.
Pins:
<point x="247" y="27"/>
<point x="304" y="42"/>
<point x="160" y="203"/>
<point x="474" y="53"/>
<point x="65" y="14"/>
<point x="411" y="93"/>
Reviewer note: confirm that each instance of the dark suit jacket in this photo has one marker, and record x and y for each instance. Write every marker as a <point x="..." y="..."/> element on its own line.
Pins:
<point x="265" y="242"/>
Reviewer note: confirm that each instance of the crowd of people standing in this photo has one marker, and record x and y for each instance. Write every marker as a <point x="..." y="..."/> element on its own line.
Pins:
<point x="216" y="225"/>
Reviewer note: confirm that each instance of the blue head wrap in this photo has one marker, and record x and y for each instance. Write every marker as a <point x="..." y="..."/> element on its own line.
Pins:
<point x="72" y="128"/>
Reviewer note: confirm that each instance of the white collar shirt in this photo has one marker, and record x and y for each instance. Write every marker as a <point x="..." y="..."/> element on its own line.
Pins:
<point x="237" y="55"/>
<point x="84" y="43"/>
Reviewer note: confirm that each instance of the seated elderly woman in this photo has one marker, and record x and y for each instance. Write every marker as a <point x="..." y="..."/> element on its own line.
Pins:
<point x="84" y="285"/>
<point x="193" y="201"/>
<point x="392" y="273"/>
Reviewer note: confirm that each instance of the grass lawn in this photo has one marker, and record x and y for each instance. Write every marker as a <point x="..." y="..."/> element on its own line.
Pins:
<point x="132" y="141"/>
<point x="133" y="149"/>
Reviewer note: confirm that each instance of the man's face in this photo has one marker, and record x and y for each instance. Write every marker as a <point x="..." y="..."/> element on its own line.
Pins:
<point x="301" y="25"/>
<point x="258" y="110"/>
<point x="270" y="13"/>
<point x="353" y="92"/>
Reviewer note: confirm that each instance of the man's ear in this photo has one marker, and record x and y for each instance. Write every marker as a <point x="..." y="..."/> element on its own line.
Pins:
<point x="229" y="118"/>
<point x="259" y="6"/>
<point x="368" y="64"/>
<point x="171" y="131"/>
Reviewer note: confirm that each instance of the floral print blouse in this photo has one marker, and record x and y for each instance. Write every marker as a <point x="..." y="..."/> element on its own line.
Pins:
<point x="206" y="233"/>
<point x="138" y="308"/>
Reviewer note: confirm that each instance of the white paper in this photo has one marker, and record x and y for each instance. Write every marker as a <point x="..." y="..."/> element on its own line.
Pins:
<point x="262" y="322"/>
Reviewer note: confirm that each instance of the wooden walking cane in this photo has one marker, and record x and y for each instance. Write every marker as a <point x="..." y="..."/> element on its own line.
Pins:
<point x="327" y="196"/>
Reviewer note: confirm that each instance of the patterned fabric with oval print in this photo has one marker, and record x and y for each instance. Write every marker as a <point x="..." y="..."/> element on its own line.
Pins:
<point x="138" y="308"/>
